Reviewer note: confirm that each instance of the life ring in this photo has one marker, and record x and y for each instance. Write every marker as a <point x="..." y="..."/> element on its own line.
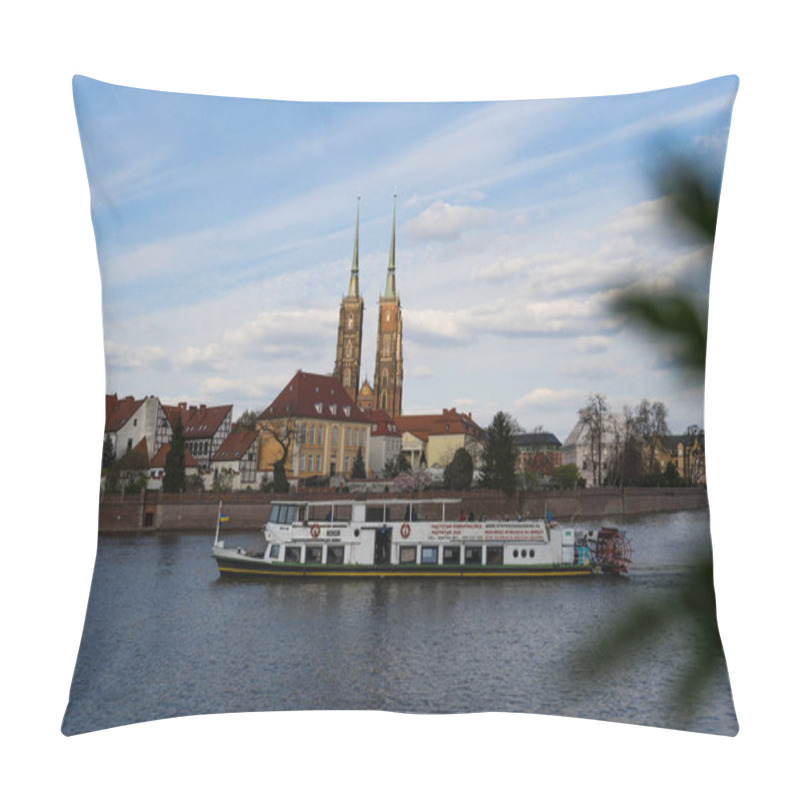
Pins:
<point x="315" y="531"/>
<point x="405" y="530"/>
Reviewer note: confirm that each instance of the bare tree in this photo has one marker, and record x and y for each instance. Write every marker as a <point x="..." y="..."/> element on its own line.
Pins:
<point x="283" y="432"/>
<point x="625" y="463"/>
<point x="593" y="416"/>
<point x="651" y="426"/>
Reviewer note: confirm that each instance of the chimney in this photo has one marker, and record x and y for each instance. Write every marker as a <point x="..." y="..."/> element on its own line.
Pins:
<point x="182" y="406"/>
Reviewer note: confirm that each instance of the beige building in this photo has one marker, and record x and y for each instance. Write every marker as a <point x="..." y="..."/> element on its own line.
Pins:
<point x="432" y="439"/>
<point x="316" y="423"/>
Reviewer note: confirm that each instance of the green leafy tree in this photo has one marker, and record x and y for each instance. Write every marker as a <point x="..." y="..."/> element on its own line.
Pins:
<point x="280" y="483"/>
<point x="499" y="455"/>
<point x="247" y="421"/>
<point x="458" y="473"/>
<point x="396" y="466"/>
<point x="175" y="467"/>
<point x="359" y="470"/>
<point x="108" y="452"/>
<point x="568" y="476"/>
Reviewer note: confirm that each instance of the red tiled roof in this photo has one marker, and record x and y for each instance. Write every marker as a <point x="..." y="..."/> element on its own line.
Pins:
<point x="382" y="423"/>
<point x="313" y="396"/>
<point x="447" y="423"/>
<point x="118" y="412"/>
<point x="160" y="458"/>
<point x="199" y="422"/>
<point x="235" y="446"/>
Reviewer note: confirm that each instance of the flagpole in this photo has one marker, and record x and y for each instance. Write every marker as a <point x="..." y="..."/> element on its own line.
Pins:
<point x="219" y="514"/>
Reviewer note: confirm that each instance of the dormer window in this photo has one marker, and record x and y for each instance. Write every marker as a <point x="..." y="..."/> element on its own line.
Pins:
<point x="346" y="410"/>
<point x="318" y="407"/>
<point x="332" y="409"/>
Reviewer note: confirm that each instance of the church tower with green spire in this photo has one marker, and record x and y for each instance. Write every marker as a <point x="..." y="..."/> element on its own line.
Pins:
<point x="388" y="386"/>
<point x="347" y="368"/>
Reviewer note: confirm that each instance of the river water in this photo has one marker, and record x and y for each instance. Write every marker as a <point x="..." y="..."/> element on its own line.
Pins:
<point x="165" y="636"/>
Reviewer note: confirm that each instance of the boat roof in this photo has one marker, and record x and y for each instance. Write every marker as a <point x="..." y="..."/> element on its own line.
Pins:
<point x="370" y="502"/>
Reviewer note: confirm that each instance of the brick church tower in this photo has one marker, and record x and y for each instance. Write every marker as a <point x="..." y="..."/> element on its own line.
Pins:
<point x="388" y="385"/>
<point x="347" y="368"/>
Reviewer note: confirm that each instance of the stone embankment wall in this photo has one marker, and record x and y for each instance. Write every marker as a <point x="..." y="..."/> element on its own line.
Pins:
<point x="151" y="512"/>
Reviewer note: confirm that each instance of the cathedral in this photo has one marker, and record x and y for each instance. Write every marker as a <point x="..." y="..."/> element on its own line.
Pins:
<point x="386" y="391"/>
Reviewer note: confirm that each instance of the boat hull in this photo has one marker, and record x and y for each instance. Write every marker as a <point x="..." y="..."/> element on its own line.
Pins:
<point x="238" y="566"/>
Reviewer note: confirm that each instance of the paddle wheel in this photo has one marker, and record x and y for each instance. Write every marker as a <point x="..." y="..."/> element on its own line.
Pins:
<point x="612" y="550"/>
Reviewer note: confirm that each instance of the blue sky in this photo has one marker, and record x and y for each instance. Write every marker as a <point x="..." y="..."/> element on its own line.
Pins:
<point x="225" y="234"/>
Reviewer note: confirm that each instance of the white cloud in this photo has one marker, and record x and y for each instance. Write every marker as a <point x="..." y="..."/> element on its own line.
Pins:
<point x="501" y="269"/>
<point x="442" y="221"/>
<point x="547" y="397"/>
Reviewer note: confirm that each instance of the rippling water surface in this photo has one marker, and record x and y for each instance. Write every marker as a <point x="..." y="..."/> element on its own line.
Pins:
<point x="165" y="636"/>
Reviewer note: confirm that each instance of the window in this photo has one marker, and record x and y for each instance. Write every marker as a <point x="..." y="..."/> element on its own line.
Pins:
<point x="473" y="555"/>
<point x="285" y="515"/>
<point x="274" y="551"/>
<point x="451" y="555"/>
<point x="347" y="437"/>
<point x="494" y="555"/>
<point x="319" y="462"/>
<point x="335" y="554"/>
<point x="292" y="555"/>
<point x="430" y="555"/>
<point x="313" y="554"/>
<point x="303" y="462"/>
<point x="311" y="432"/>
<point x="334" y="436"/>
<point x="347" y="464"/>
<point x="408" y="554"/>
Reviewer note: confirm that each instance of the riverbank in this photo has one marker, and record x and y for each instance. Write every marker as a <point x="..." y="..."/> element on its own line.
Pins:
<point x="155" y="512"/>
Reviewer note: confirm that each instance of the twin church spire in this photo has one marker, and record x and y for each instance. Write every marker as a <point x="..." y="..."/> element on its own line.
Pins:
<point x="387" y="390"/>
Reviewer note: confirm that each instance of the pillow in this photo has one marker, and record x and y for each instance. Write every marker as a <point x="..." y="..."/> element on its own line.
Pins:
<point x="544" y="368"/>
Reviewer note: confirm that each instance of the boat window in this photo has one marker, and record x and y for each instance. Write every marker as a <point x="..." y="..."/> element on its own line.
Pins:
<point x="286" y="515"/>
<point x="430" y="555"/>
<point x="374" y="514"/>
<point x="273" y="513"/>
<point x="473" y="555"/>
<point x="335" y="554"/>
<point x="292" y="554"/>
<point x="451" y="555"/>
<point x="313" y="554"/>
<point x="343" y="513"/>
<point x="494" y="555"/>
<point x="274" y="551"/>
<point x="408" y="554"/>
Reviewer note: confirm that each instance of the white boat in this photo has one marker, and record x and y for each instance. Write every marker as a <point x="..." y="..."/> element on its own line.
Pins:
<point x="418" y="538"/>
